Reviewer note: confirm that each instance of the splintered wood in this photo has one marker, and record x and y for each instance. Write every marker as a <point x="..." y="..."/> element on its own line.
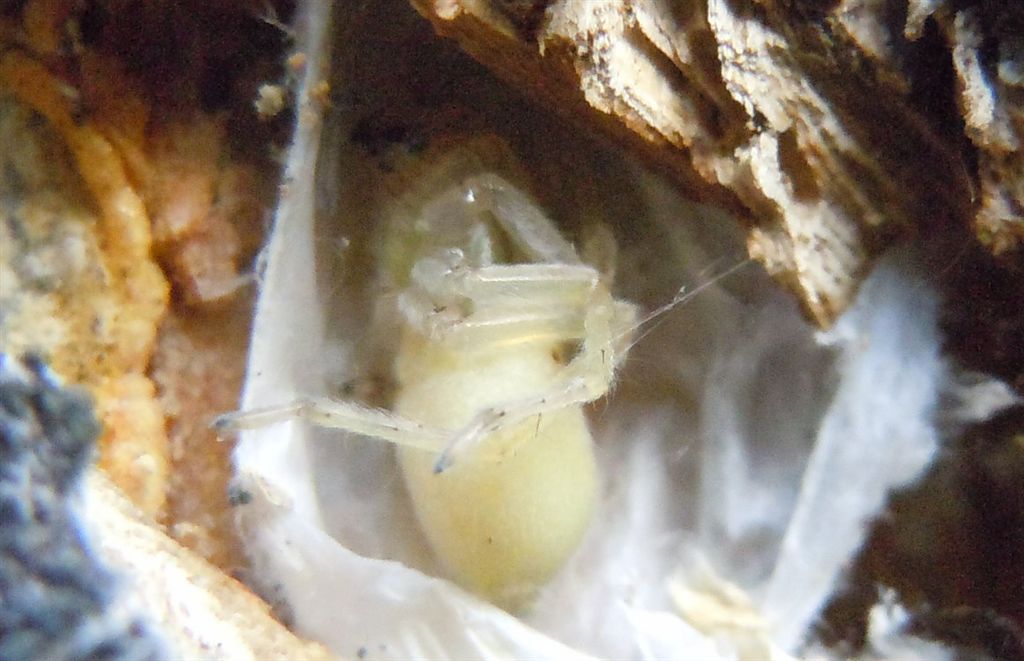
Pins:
<point x="202" y="612"/>
<point x="994" y="124"/>
<point x="807" y="122"/>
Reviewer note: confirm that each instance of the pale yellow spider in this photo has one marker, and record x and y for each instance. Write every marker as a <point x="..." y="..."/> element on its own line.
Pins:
<point x="487" y="413"/>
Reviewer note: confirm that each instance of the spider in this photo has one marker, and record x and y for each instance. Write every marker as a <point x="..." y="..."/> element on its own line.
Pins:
<point x="506" y="334"/>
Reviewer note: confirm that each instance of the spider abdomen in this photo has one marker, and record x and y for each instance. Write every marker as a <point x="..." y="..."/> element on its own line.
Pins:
<point x="505" y="518"/>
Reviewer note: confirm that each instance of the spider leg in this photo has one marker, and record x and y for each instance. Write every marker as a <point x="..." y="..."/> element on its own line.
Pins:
<point x="538" y="302"/>
<point x="337" y="414"/>
<point x="521" y="218"/>
<point x="475" y="308"/>
<point x="606" y="330"/>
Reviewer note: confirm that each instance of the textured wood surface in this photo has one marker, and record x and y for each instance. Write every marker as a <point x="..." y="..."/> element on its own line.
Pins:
<point x="832" y="130"/>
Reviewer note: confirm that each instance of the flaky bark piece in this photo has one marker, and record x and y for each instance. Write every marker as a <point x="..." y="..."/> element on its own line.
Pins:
<point x="201" y="611"/>
<point x="770" y="109"/>
<point x="987" y="43"/>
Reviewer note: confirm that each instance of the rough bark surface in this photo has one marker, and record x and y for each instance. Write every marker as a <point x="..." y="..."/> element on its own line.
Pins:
<point x="832" y="128"/>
